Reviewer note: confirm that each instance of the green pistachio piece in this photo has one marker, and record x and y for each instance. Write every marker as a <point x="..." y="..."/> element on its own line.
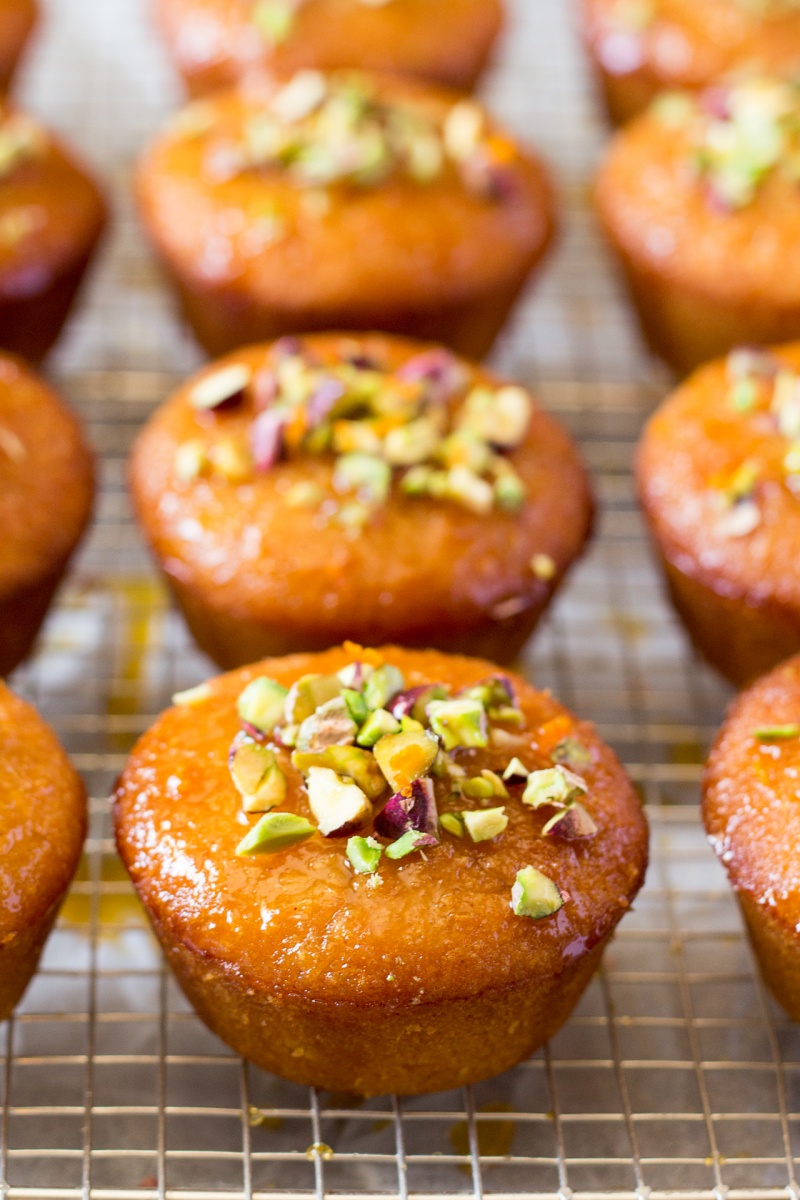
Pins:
<point x="261" y="704"/>
<point x="348" y="761"/>
<point x="555" y="785"/>
<point x="572" y="824"/>
<point x="777" y="733"/>
<point x="275" y="832"/>
<point x="407" y="844"/>
<point x="460" y="722"/>
<point x="195" y="695"/>
<point x="673" y="109"/>
<point x="420" y="481"/>
<point x="516" y="770"/>
<point x="354" y="674"/>
<point x="509" y="492"/>
<point x="274" y="19"/>
<point x="485" y="824"/>
<point x="257" y="775"/>
<point x="356" y="705"/>
<point x="464" y="448"/>
<point x="339" y="805"/>
<point x="330" y="725"/>
<point x="485" y="787"/>
<point x="382" y="686"/>
<point x="191" y="459"/>
<point x="364" y="855"/>
<point x="220" y="386"/>
<point x="534" y="895"/>
<point x="377" y="725"/>
<point x="467" y="488"/>
<point x="464" y="129"/>
<point x="413" y="443"/>
<point x="365" y="474"/>
<point x="571" y="753"/>
<point x="308" y="694"/>
<point x="453" y="823"/>
<point x="411" y="725"/>
<point x="404" y="757"/>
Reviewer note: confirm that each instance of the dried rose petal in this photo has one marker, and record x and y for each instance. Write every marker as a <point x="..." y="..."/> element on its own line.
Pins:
<point x="437" y="367"/>
<point x="266" y="439"/>
<point x="323" y="400"/>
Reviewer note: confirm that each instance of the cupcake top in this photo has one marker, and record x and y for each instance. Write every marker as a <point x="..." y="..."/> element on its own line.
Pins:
<point x="46" y="478"/>
<point x="338" y="473"/>
<point x="707" y="188"/>
<point x="719" y="473"/>
<point x="751" y="792"/>
<point x="42" y="818"/>
<point x="689" y="44"/>
<point x="49" y="208"/>
<point x="349" y="824"/>
<point x="335" y="170"/>
<point x="217" y="41"/>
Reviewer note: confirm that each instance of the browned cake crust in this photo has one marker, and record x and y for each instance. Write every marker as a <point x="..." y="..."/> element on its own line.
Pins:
<point x="18" y="19"/>
<point x="278" y="232"/>
<point x="216" y="43"/>
<point x="424" y="982"/>
<point x="708" y="245"/>
<point x="46" y="493"/>
<point x="42" y="827"/>
<point x="638" y="50"/>
<point x="717" y="486"/>
<point x="259" y="569"/>
<point x="52" y="217"/>
<point x="753" y="821"/>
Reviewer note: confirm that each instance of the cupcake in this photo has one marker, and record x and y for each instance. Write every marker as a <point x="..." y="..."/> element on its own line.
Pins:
<point x="753" y="821"/>
<point x="379" y="872"/>
<point x="46" y="492"/>
<point x="700" y="201"/>
<point x="718" y="473"/>
<point x="344" y="201"/>
<point x="51" y="219"/>
<point x="17" y="21"/>
<point x="641" y="47"/>
<point x="42" y="827"/>
<point x="298" y="493"/>
<point x="215" y="43"/>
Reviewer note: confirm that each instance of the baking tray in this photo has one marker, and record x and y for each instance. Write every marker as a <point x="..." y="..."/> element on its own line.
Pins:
<point x="677" y="1077"/>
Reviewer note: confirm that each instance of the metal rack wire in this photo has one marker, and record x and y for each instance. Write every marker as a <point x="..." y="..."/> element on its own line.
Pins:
<point x="677" y="1076"/>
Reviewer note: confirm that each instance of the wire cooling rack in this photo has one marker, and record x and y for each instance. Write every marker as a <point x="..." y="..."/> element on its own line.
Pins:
<point x="677" y="1076"/>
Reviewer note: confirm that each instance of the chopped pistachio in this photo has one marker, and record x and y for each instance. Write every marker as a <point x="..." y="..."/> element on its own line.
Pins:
<point x="573" y="824"/>
<point x="364" y="855"/>
<point x="404" y="757"/>
<point x="516" y="772"/>
<point x="191" y="696"/>
<point x="413" y="443"/>
<point x="261" y="704"/>
<point x="356" y="705"/>
<point x="308" y="694"/>
<point x="509" y="492"/>
<point x="382" y="686"/>
<point x="777" y="733"/>
<point x="221" y="387"/>
<point x="453" y="823"/>
<point x="377" y="725"/>
<point x="330" y="725"/>
<point x="463" y="130"/>
<point x="555" y="785"/>
<point x="459" y="722"/>
<point x="304" y="495"/>
<point x="275" y="832"/>
<point x="543" y="567"/>
<point x="408" y="843"/>
<point x="673" y="109"/>
<point x="274" y="19"/>
<point x="232" y="459"/>
<point x="571" y="753"/>
<point x="485" y="787"/>
<point x="534" y="895"/>
<point x="337" y="803"/>
<point x="743" y="395"/>
<point x="740" y="521"/>
<point x="365" y="474"/>
<point x="485" y="824"/>
<point x="191" y="459"/>
<point x="257" y="775"/>
<point x="347" y="761"/>
<point x="501" y="417"/>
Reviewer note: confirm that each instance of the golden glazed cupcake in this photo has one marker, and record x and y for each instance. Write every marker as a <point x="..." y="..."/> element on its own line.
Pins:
<point x="752" y="816"/>
<point x="719" y="479"/>
<point x="17" y="21"/>
<point x="380" y="872"/>
<point x="51" y="220"/>
<point x="300" y="492"/>
<point x="641" y="47"/>
<point x="46" y="495"/>
<point x="344" y="201"/>
<point x="215" y="43"/>
<point x="700" y="201"/>
<point x="42" y="827"/>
